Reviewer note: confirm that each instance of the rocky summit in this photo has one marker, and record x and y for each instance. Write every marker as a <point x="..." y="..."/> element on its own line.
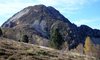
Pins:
<point x="38" y="21"/>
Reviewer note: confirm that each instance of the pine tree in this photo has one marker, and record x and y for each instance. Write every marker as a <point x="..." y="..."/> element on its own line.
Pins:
<point x="56" y="39"/>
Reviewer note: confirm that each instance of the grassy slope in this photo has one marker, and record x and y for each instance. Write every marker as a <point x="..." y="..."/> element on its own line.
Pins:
<point x="12" y="50"/>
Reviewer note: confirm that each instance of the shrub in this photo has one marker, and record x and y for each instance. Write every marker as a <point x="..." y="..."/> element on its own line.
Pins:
<point x="25" y="39"/>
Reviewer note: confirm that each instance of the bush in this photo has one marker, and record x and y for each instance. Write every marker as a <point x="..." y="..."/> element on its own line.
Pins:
<point x="25" y="39"/>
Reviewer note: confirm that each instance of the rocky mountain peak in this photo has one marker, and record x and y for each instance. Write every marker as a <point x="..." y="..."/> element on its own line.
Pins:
<point x="39" y="18"/>
<point x="38" y="12"/>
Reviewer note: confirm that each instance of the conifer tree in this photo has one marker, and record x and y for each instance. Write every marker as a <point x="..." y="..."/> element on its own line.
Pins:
<point x="56" y="39"/>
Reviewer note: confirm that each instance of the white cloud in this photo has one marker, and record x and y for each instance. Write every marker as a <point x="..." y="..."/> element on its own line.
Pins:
<point x="62" y="5"/>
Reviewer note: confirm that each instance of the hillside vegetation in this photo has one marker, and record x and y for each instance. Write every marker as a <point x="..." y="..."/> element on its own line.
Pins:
<point x="13" y="50"/>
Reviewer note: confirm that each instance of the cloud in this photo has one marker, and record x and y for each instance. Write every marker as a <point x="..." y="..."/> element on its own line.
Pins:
<point x="62" y="5"/>
<point x="67" y="5"/>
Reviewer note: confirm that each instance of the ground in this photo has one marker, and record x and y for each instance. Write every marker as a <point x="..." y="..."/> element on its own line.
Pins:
<point x="13" y="50"/>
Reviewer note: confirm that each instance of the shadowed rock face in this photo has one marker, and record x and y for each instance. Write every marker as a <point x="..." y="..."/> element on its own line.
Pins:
<point x="40" y="19"/>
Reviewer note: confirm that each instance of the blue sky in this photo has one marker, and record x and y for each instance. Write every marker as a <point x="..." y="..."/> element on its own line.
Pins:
<point x="77" y="11"/>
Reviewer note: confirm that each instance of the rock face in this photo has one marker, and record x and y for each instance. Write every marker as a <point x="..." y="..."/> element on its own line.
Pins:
<point x="39" y="20"/>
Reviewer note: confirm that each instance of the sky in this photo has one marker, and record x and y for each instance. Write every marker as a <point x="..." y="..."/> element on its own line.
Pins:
<point x="79" y="12"/>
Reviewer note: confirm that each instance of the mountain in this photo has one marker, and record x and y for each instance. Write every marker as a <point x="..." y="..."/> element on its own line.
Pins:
<point x="38" y="21"/>
<point x="13" y="50"/>
<point x="39" y="17"/>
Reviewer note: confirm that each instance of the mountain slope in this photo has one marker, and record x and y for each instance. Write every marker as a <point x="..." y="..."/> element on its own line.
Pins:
<point x="39" y="20"/>
<point x="13" y="50"/>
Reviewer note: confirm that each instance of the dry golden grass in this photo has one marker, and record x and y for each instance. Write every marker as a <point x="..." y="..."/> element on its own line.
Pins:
<point x="12" y="50"/>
